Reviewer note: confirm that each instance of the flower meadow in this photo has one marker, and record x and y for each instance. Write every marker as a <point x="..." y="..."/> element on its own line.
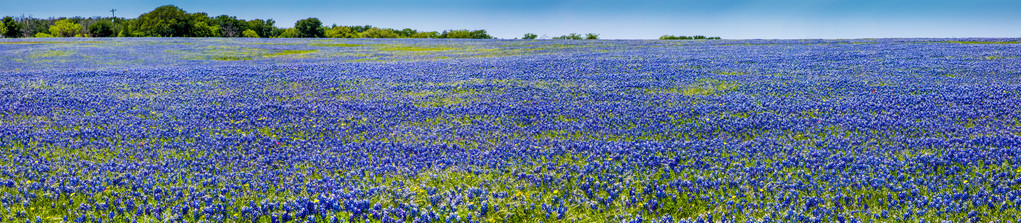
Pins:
<point x="312" y="130"/>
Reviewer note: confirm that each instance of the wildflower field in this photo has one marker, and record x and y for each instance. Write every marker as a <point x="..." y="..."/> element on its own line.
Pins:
<point x="313" y="130"/>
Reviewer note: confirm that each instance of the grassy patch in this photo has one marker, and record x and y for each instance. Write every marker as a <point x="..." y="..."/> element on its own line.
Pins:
<point x="407" y="48"/>
<point x="702" y="88"/>
<point x="238" y="53"/>
<point x="709" y="87"/>
<point x="52" y="53"/>
<point x="289" y="52"/>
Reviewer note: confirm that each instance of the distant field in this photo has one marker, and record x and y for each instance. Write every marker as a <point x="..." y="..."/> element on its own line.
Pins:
<point x="320" y="130"/>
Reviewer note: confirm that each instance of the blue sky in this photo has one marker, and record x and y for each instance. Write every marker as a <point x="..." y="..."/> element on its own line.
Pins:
<point x="636" y="19"/>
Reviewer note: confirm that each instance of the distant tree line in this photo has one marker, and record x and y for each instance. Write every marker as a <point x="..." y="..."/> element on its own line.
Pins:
<point x="671" y="37"/>
<point x="575" y="36"/>
<point x="172" y="21"/>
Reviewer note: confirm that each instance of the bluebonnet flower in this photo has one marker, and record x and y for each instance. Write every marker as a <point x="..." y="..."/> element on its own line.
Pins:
<point x="417" y="130"/>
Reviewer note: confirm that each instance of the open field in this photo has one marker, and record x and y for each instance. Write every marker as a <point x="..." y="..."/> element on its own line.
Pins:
<point x="314" y="130"/>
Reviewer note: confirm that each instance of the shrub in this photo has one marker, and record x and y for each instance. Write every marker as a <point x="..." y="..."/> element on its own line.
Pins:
<point x="101" y="28"/>
<point x="671" y="37"/>
<point x="465" y="34"/>
<point x="379" y="33"/>
<point x="341" y="32"/>
<point x="423" y="35"/>
<point x="569" y="36"/>
<point x="289" y="33"/>
<point x="65" y="28"/>
<point x="11" y="28"/>
<point x="249" y="34"/>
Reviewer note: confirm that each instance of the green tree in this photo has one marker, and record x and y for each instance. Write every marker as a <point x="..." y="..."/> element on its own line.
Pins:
<point x="406" y="32"/>
<point x="573" y="36"/>
<point x="379" y="33"/>
<point x="231" y="26"/>
<point x="530" y="36"/>
<point x="591" y="36"/>
<point x="65" y="28"/>
<point x="361" y="29"/>
<point x="11" y="28"/>
<point x="202" y="26"/>
<point x="101" y="28"/>
<point x="340" y="32"/>
<point x="289" y="33"/>
<point x="465" y="34"/>
<point x="668" y="37"/>
<point x="277" y="31"/>
<point x="671" y="37"/>
<point x="165" y="21"/>
<point x="480" y="34"/>
<point x="309" y="28"/>
<point x="248" y="33"/>
<point x="130" y="29"/>
<point x="456" y="34"/>
<point x="201" y="29"/>
<point x="262" y="27"/>
<point x="30" y="26"/>
<point x="424" y="35"/>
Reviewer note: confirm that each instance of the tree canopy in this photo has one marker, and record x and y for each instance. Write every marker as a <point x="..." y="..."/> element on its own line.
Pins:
<point x="248" y="33"/>
<point x="11" y="28"/>
<point x="173" y="21"/>
<point x="65" y="28"/>
<point x="465" y="34"/>
<point x="573" y="36"/>
<point x="309" y="28"/>
<point x="379" y="33"/>
<point x="102" y="28"/>
<point x="340" y="32"/>
<point x="289" y="33"/>
<point x="264" y="28"/>
<point x="165" y="21"/>
<point x="671" y="37"/>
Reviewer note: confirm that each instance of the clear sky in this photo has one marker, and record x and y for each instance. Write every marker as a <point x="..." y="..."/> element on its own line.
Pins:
<point x="624" y="19"/>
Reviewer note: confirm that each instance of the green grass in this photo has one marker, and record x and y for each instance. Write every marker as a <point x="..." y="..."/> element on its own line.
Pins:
<point x="239" y="53"/>
<point x="52" y="53"/>
<point x="289" y="52"/>
<point x="704" y="87"/>
<point x="710" y="87"/>
<point x="408" y="48"/>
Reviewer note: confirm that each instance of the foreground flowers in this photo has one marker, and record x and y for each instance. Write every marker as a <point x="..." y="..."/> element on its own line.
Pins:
<point x="149" y="130"/>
